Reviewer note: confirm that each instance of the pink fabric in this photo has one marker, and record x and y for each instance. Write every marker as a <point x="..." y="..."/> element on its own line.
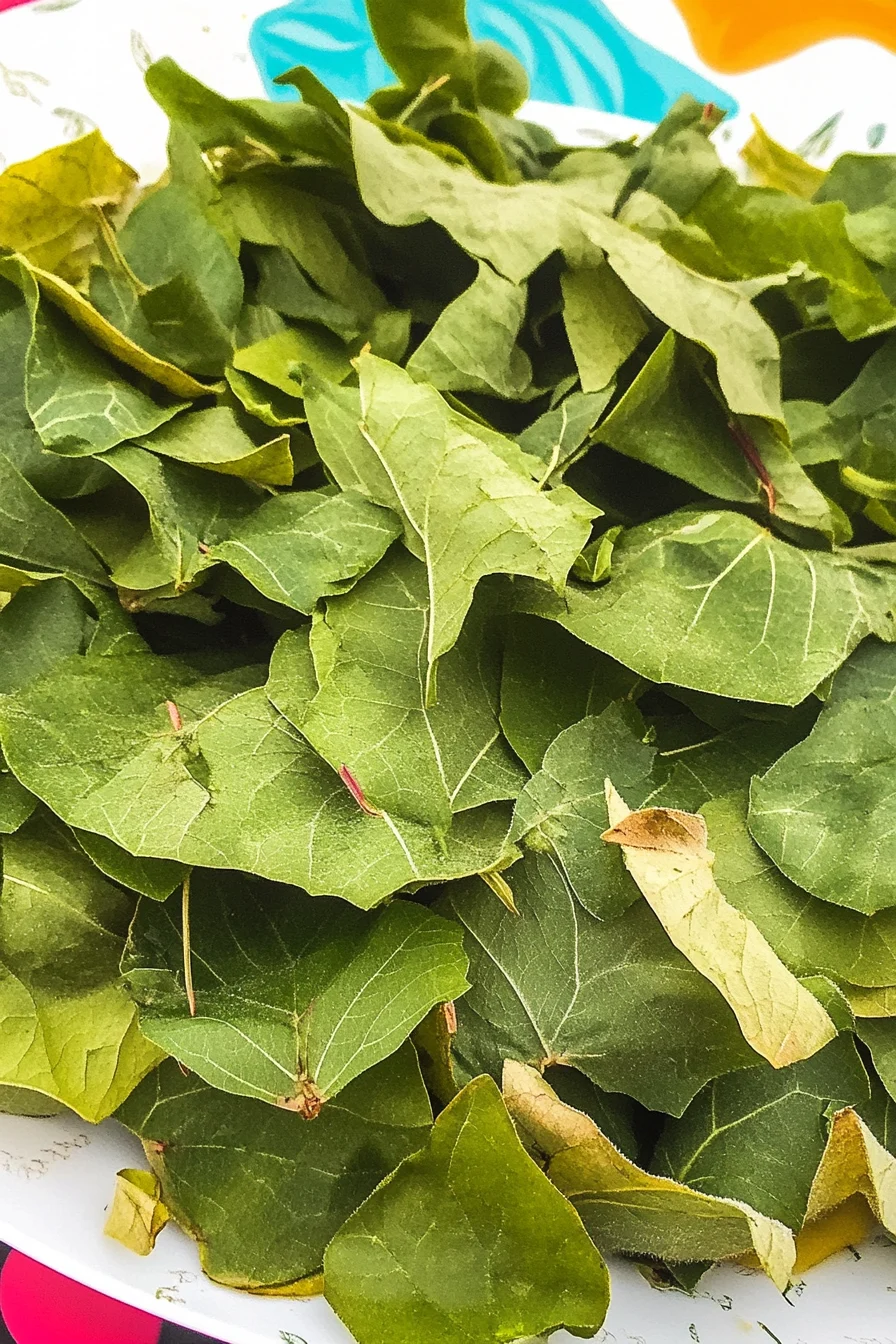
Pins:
<point x="40" y="1306"/>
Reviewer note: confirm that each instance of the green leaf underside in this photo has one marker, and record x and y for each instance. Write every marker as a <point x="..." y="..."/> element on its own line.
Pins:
<point x="155" y="878"/>
<point x="36" y="534"/>
<point x="823" y="812"/>
<point x="714" y="602"/>
<point x="189" y="510"/>
<point x="472" y="347"/>
<point x="564" y="808"/>
<point x="291" y="992"/>
<point x="261" y="1190"/>
<point x="298" y="548"/>
<point x="671" y="419"/>
<point x="810" y="936"/>
<point x="550" y="681"/>
<point x="521" y="1262"/>
<point x="238" y="789"/>
<point x="214" y="439"/>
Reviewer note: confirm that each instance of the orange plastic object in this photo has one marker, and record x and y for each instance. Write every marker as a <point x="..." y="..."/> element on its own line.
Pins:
<point x="732" y="36"/>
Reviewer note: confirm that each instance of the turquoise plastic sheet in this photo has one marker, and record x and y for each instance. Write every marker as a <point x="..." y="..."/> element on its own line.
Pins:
<point x="576" y="52"/>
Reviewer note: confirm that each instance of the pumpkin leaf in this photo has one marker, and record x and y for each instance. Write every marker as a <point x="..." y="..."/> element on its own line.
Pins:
<point x="502" y="1230"/>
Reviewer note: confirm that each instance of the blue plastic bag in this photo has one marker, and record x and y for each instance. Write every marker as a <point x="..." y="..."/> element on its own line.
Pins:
<point x="576" y="52"/>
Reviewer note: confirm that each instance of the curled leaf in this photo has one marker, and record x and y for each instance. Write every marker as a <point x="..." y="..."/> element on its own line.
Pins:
<point x="137" y="1214"/>
<point x="626" y="1208"/>
<point x="666" y="853"/>
<point x="854" y="1163"/>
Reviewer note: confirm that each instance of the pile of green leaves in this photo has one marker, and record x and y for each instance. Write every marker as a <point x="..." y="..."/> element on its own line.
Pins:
<point x="448" y="691"/>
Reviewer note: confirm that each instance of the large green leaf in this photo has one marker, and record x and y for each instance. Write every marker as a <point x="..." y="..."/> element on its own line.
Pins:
<point x="298" y="548"/>
<point x="517" y="228"/>
<point x="370" y="711"/>
<point x="237" y="787"/>
<point x="49" y="206"/>
<point x="466" y="511"/>
<point x="699" y="764"/>
<point x="823" y="812"/>
<point x="810" y="936"/>
<point x="69" y="1029"/>
<point x="279" y="358"/>
<point x="261" y="1191"/>
<point x="294" y="996"/>
<point x="16" y="803"/>
<point x="80" y="401"/>
<point x="714" y="602"/>
<point x="53" y="477"/>
<point x="155" y="878"/>
<point x="628" y="1209"/>
<point x="284" y="287"/>
<point x="269" y="210"/>
<point x="562" y="435"/>
<point x="191" y="283"/>
<point x="473" y="345"/>
<point x="758" y="1135"/>
<point x="564" y="809"/>
<point x="613" y="998"/>
<point x="39" y="627"/>
<point x="603" y="322"/>
<point x="467" y="1240"/>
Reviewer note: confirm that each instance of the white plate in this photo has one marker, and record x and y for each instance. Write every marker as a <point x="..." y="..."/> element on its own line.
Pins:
<point x="57" y="1175"/>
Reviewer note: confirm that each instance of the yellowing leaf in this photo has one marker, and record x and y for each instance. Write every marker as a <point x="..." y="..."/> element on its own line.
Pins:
<point x="12" y="579"/>
<point x="774" y="166"/>
<point x="864" y="1002"/>
<point x="136" y="1214"/>
<point x="854" y="1163"/>
<point x="847" y="1225"/>
<point x="666" y="853"/>
<point x="627" y="1209"/>
<point x="114" y="342"/>
<point x="49" y="205"/>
